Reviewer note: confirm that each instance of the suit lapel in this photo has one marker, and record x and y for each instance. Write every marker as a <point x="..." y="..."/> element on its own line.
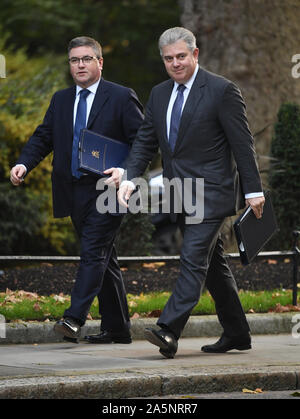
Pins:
<point x="69" y="108"/>
<point x="165" y="98"/>
<point x="195" y="96"/>
<point x="101" y="97"/>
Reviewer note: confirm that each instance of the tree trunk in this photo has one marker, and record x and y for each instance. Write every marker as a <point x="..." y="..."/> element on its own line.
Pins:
<point x="250" y="42"/>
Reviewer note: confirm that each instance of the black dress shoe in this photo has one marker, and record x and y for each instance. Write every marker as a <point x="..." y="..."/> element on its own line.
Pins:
<point x="164" y="339"/>
<point x="225" y="343"/>
<point x="109" y="337"/>
<point x="68" y="328"/>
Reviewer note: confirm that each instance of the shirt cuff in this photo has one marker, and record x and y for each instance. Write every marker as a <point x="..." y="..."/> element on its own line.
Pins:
<point x="254" y="195"/>
<point x="128" y="183"/>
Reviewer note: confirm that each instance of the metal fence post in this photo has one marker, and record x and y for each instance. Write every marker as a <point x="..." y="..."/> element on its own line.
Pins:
<point x="296" y="253"/>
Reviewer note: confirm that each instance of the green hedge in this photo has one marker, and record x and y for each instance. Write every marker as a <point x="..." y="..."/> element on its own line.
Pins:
<point x="284" y="177"/>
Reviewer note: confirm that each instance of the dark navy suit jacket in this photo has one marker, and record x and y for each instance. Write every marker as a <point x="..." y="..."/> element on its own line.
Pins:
<point x="116" y="113"/>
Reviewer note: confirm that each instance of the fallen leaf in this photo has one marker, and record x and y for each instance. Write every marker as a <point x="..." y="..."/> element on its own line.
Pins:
<point x="28" y="295"/>
<point x="154" y="313"/>
<point x="59" y="298"/>
<point x="284" y="309"/>
<point x="12" y="299"/>
<point x="272" y="262"/>
<point x="135" y="316"/>
<point x="256" y="391"/>
<point x="36" y="307"/>
<point x="153" y="265"/>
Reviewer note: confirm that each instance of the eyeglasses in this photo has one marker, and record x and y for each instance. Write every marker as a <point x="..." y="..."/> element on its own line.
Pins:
<point x="87" y="59"/>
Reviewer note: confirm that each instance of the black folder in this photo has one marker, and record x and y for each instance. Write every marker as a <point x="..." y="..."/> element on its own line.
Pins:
<point x="253" y="233"/>
<point x="98" y="153"/>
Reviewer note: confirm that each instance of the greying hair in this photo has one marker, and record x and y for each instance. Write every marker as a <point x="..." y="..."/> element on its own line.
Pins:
<point x="86" y="41"/>
<point x="172" y="35"/>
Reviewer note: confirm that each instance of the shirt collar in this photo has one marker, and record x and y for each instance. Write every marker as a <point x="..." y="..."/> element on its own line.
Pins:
<point x="190" y="82"/>
<point x="93" y="88"/>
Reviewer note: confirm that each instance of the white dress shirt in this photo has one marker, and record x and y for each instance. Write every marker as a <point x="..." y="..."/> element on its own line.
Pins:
<point x="89" y="100"/>
<point x="173" y="96"/>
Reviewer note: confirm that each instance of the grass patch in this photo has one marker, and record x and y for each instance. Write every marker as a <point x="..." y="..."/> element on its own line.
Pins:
<point x="22" y="305"/>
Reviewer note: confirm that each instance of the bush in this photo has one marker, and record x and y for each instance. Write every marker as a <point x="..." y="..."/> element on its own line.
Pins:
<point x="135" y="237"/>
<point x="24" y="97"/>
<point x="284" y="176"/>
<point x="20" y="219"/>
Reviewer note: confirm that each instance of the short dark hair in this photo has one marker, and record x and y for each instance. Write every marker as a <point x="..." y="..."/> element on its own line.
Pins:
<point x="86" y="41"/>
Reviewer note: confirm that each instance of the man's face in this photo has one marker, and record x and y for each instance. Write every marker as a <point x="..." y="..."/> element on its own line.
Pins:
<point x="85" y="74"/>
<point x="179" y="61"/>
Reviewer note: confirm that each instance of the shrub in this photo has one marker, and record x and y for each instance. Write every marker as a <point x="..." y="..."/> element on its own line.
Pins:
<point x="284" y="176"/>
<point x="135" y="237"/>
<point x="24" y="98"/>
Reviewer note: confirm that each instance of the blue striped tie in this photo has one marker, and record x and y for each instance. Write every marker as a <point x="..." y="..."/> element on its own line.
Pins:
<point x="175" y="116"/>
<point x="80" y="123"/>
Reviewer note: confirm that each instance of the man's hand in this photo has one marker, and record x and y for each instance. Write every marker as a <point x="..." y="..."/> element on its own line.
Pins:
<point x="124" y="193"/>
<point x="257" y="205"/>
<point x="17" y="174"/>
<point x="115" y="178"/>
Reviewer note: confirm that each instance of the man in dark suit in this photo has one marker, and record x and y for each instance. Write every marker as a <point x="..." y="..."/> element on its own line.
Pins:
<point x="198" y="121"/>
<point x="111" y="110"/>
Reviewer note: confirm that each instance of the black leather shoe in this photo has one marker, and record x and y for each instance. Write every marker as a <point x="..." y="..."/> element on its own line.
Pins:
<point x="109" y="337"/>
<point x="225" y="343"/>
<point x="68" y="328"/>
<point x="164" y="339"/>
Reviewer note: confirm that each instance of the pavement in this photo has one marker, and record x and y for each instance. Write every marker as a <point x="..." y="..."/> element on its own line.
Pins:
<point x="34" y="364"/>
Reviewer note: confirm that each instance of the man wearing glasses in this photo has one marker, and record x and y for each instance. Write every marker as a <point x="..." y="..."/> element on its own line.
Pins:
<point x="113" y="111"/>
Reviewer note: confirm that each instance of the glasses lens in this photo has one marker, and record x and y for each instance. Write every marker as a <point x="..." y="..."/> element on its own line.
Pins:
<point x="87" y="59"/>
<point x="74" y="60"/>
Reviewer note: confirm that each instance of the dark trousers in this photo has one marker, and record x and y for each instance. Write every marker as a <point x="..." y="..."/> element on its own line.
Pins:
<point x="99" y="273"/>
<point x="202" y="262"/>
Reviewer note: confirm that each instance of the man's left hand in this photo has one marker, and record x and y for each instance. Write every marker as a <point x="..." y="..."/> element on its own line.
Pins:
<point x="115" y="178"/>
<point x="257" y="205"/>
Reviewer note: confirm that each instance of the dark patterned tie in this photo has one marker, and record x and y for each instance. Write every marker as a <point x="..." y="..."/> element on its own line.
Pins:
<point x="80" y="123"/>
<point x="175" y="116"/>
